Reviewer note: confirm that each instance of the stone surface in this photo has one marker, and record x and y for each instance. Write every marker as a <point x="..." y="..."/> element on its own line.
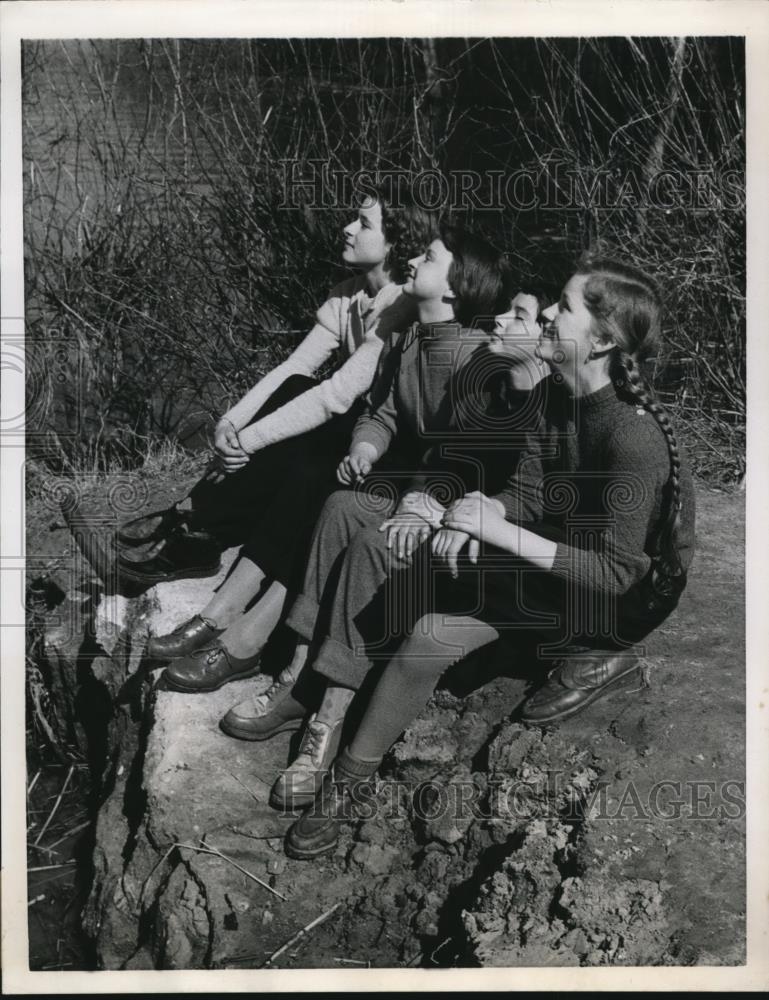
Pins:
<point x="615" y="838"/>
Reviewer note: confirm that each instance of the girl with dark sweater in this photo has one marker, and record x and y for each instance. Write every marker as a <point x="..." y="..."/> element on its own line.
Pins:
<point x="604" y="567"/>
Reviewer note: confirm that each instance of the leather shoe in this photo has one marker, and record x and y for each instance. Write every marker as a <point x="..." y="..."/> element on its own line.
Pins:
<point x="184" y="639"/>
<point x="297" y="785"/>
<point x="345" y="789"/>
<point x="150" y="527"/>
<point x="183" y="554"/>
<point x="209" y="669"/>
<point x="261" y="716"/>
<point x="578" y="681"/>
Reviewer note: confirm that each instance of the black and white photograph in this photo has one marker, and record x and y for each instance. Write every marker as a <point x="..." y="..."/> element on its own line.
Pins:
<point x="374" y="494"/>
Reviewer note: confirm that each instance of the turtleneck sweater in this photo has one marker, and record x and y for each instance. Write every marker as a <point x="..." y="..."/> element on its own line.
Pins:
<point x="600" y="466"/>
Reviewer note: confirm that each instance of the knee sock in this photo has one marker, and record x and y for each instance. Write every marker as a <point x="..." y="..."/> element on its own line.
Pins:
<point x="408" y="682"/>
<point x="250" y="632"/>
<point x="352" y="768"/>
<point x="292" y="672"/>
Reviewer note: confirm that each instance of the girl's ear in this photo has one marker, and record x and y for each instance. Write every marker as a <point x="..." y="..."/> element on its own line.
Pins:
<point x="600" y="343"/>
<point x="600" y="348"/>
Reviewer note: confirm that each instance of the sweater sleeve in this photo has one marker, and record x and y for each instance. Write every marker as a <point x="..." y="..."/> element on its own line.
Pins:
<point x="319" y="404"/>
<point x="378" y="424"/>
<point x="632" y="492"/>
<point x="319" y="344"/>
<point x="337" y="393"/>
<point x="522" y="494"/>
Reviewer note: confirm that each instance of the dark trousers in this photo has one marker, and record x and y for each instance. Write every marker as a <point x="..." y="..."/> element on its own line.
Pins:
<point x="358" y="600"/>
<point x="270" y="505"/>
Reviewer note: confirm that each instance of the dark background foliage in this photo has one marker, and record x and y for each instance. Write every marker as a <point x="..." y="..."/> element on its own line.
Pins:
<point x="166" y="272"/>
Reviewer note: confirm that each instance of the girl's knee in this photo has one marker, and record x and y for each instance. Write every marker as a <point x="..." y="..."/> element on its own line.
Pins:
<point x="438" y="642"/>
<point x="425" y="653"/>
<point x="339" y="509"/>
<point x="369" y="541"/>
<point x="426" y="635"/>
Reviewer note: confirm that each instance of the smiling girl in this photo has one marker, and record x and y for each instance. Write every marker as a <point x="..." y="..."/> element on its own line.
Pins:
<point x="604" y="567"/>
<point x="273" y="472"/>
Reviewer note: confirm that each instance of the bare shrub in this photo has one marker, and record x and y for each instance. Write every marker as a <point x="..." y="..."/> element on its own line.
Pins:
<point x="160" y="246"/>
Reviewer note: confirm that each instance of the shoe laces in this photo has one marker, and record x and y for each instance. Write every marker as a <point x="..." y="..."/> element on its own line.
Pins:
<point x="213" y="653"/>
<point x="314" y="741"/>
<point x="262" y="701"/>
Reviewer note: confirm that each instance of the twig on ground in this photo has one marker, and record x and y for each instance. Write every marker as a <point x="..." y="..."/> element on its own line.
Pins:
<point x="244" y="785"/>
<point x="440" y="946"/>
<point x="40" y="717"/>
<point x="54" y="965"/>
<point x="39" y="847"/>
<point x="37" y="899"/>
<point x="67" y="835"/>
<point x="33" y="782"/>
<point x="300" y="934"/>
<point x="69" y="872"/>
<point x="207" y="849"/>
<point x="47" y="868"/>
<point x="55" y="806"/>
<point x="155" y="868"/>
<point x="351" y="961"/>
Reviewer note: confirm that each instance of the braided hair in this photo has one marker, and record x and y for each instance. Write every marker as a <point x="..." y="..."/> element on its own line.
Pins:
<point x="626" y="307"/>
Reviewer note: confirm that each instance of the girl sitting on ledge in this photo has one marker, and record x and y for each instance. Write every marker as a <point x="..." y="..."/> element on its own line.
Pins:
<point x="580" y="590"/>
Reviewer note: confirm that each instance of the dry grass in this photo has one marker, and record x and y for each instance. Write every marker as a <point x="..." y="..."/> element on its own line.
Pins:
<point x="160" y="256"/>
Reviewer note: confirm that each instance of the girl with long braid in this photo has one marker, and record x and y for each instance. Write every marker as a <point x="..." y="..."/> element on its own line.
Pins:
<point x="581" y="588"/>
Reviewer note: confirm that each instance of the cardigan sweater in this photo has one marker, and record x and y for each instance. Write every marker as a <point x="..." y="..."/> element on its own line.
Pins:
<point x="600" y="465"/>
<point x="413" y="400"/>
<point x="348" y="324"/>
<point x="490" y="427"/>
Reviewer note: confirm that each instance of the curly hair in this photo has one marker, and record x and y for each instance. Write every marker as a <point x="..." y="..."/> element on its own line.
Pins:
<point x="407" y="227"/>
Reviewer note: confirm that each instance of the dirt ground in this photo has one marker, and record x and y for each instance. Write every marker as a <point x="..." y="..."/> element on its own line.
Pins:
<point x="614" y="838"/>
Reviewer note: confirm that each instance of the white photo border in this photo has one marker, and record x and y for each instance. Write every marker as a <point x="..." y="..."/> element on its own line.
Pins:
<point x="353" y="18"/>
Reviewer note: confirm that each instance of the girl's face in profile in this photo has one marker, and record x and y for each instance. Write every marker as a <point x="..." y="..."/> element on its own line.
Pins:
<point x="428" y="277"/>
<point x="364" y="241"/>
<point x="516" y="332"/>
<point x="567" y="336"/>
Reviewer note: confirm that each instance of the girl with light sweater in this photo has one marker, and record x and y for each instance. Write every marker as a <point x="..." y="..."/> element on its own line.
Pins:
<point x="276" y="450"/>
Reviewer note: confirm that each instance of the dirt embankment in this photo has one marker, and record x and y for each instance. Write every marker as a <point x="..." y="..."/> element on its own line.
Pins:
<point x="615" y="838"/>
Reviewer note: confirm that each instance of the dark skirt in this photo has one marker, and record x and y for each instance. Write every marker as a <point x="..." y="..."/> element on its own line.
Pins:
<point x="270" y="506"/>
